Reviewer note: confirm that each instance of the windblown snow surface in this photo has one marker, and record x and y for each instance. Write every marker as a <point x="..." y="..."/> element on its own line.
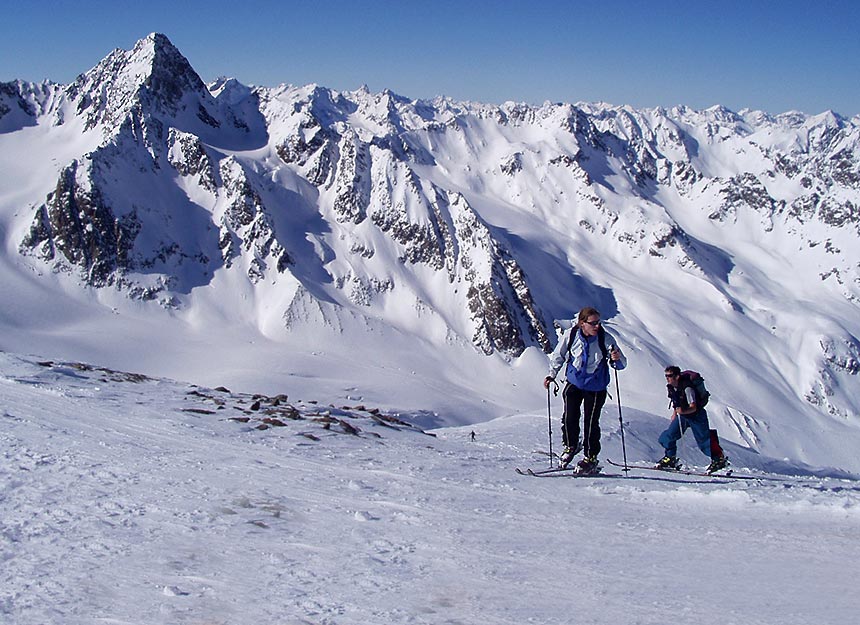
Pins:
<point x="127" y="499"/>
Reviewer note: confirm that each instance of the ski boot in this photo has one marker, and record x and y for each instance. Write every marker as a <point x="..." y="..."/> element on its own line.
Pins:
<point x="668" y="463"/>
<point x="567" y="456"/>
<point x="718" y="463"/>
<point x="587" y="466"/>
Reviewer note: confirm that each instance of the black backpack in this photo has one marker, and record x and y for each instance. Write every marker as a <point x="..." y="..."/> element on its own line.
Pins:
<point x="695" y="379"/>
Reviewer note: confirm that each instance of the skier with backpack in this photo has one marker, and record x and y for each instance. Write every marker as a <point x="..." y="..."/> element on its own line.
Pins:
<point x="688" y="397"/>
<point x="589" y="351"/>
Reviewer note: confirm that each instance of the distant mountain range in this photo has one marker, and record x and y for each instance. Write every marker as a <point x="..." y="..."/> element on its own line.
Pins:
<point x="727" y="240"/>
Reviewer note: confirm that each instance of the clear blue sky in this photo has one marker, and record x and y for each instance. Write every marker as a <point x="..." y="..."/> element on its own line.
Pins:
<point x="770" y="55"/>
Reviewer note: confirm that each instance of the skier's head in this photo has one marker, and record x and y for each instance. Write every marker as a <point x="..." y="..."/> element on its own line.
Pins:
<point x="673" y="373"/>
<point x="588" y="321"/>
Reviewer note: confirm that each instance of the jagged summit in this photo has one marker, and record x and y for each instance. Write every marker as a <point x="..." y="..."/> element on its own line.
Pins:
<point x="168" y="76"/>
<point x="153" y="86"/>
<point x="153" y="76"/>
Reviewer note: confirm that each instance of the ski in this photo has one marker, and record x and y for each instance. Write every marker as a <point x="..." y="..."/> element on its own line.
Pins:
<point x="723" y="473"/>
<point x="537" y="472"/>
<point x="566" y="472"/>
<point x="727" y="473"/>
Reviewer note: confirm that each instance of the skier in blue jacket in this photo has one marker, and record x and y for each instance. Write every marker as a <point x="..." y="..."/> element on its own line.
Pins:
<point x="589" y="351"/>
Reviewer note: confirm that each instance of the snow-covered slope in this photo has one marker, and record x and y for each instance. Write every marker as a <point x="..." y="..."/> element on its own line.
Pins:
<point x="135" y="500"/>
<point x="415" y="253"/>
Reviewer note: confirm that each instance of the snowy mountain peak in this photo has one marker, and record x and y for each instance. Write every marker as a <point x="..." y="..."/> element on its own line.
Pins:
<point x="168" y="76"/>
<point x="144" y="91"/>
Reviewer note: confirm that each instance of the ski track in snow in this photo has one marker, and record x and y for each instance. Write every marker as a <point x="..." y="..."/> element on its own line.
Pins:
<point x="119" y="505"/>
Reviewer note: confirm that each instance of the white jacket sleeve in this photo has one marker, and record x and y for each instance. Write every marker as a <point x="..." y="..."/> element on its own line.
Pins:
<point x="559" y="354"/>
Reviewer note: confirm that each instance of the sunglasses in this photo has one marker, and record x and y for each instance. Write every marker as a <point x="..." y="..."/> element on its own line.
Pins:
<point x="671" y="376"/>
<point x="593" y="324"/>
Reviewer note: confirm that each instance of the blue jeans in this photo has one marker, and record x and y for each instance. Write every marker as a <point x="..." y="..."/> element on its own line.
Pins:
<point x="698" y="422"/>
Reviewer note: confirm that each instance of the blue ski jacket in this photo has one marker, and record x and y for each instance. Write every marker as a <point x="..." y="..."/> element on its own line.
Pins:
<point x="587" y="369"/>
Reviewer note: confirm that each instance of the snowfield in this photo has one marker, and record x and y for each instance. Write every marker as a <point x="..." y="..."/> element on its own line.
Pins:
<point x="133" y="500"/>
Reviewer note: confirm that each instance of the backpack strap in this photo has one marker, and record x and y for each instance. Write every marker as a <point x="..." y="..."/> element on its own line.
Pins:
<point x="601" y="339"/>
<point x="574" y="329"/>
<point x="679" y="395"/>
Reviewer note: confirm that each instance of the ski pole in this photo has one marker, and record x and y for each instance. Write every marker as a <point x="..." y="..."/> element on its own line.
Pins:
<point x="621" y="422"/>
<point x="549" y="417"/>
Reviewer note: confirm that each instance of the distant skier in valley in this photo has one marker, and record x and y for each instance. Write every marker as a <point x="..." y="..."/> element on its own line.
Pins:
<point x="688" y="397"/>
<point x="589" y="351"/>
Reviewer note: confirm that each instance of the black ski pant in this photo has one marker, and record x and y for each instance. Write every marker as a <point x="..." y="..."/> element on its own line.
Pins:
<point x="575" y="399"/>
